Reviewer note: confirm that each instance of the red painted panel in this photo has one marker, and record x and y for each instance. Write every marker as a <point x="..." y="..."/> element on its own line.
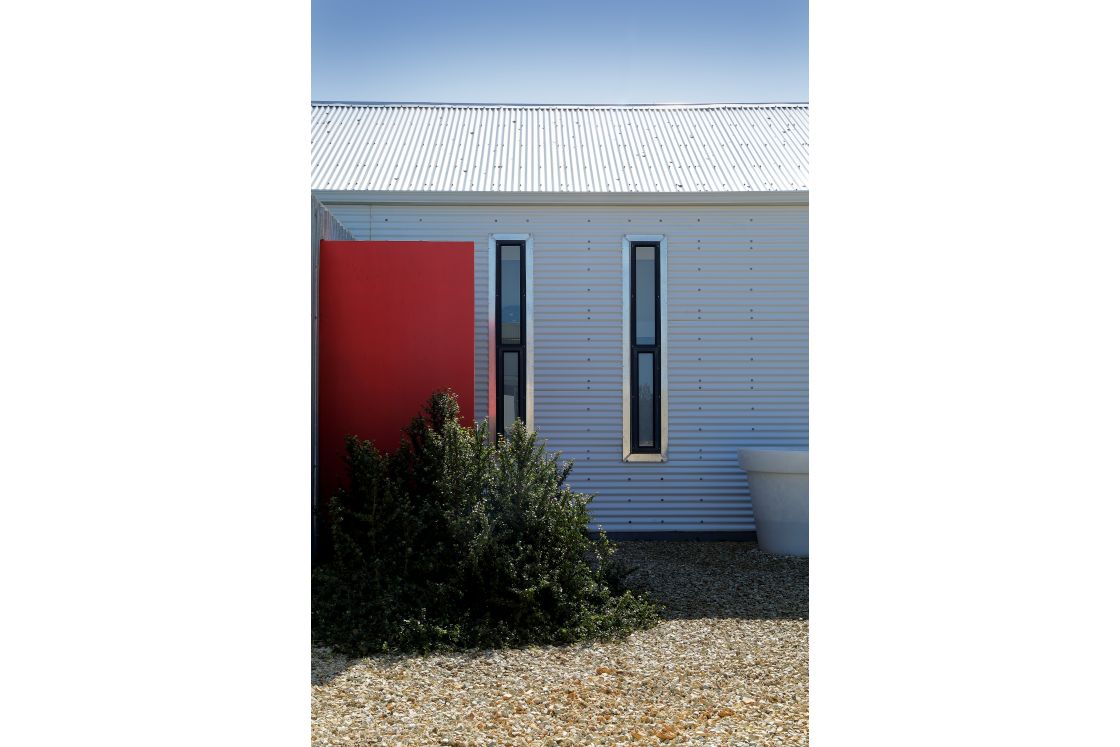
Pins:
<point x="396" y="322"/>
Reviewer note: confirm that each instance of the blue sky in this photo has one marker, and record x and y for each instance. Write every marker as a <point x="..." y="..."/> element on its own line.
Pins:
<point x="560" y="52"/>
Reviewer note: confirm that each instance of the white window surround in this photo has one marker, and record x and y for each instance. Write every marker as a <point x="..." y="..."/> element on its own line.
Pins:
<point x="663" y="255"/>
<point x="492" y="329"/>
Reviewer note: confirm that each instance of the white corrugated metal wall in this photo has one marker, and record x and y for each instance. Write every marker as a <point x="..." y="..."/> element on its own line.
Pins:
<point x="738" y="342"/>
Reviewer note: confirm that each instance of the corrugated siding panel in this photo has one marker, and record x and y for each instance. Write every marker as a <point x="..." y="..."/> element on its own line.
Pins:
<point x="738" y="343"/>
<point x="495" y="148"/>
<point x="323" y="226"/>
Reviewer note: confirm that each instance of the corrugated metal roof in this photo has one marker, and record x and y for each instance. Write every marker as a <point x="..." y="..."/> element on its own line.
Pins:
<point x="560" y="148"/>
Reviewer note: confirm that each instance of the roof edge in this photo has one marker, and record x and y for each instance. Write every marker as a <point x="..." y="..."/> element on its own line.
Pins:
<point x="475" y="105"/>
<point x="386" y="197"/>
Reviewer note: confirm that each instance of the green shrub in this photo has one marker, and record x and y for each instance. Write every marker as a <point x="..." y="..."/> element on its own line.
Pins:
<point x="454" y="542"/>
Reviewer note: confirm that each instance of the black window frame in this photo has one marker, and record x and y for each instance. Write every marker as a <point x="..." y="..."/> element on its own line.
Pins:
<point x="637" y="349"/>
<point x="500" y="347"/>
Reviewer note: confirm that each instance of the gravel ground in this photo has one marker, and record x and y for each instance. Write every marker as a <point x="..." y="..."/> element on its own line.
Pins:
<point x="729" y="666"/>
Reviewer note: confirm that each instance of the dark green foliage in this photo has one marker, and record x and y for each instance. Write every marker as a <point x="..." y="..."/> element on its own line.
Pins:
<point x="452" y="541"/>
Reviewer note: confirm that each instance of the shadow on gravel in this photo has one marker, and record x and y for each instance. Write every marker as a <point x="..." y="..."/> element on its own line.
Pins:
<point x="694" y="580"/>
<point x="719" y="580"/>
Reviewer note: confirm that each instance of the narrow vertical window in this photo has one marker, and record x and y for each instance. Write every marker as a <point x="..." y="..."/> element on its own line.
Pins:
<point x="510" y="352"/>
<point x="645" y="348"/>
<point x="511" y="389"/>
<point x="510" y="306"/>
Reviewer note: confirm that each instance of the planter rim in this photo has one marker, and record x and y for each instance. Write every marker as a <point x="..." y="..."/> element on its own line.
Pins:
<point x="781" y="459"/>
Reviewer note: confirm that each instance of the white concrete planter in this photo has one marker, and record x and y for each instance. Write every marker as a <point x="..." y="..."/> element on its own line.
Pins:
<point x="779" y="484"/>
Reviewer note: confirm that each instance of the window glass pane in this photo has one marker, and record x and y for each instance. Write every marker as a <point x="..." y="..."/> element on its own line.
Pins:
<point x="645" y="299"/>
<point x="511" y="293"/>
<point x="645" y="400"/>
<point x="511" y="373"/>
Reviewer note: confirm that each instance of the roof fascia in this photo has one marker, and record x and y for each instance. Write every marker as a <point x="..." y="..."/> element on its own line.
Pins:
<point x="353" y="196"/>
